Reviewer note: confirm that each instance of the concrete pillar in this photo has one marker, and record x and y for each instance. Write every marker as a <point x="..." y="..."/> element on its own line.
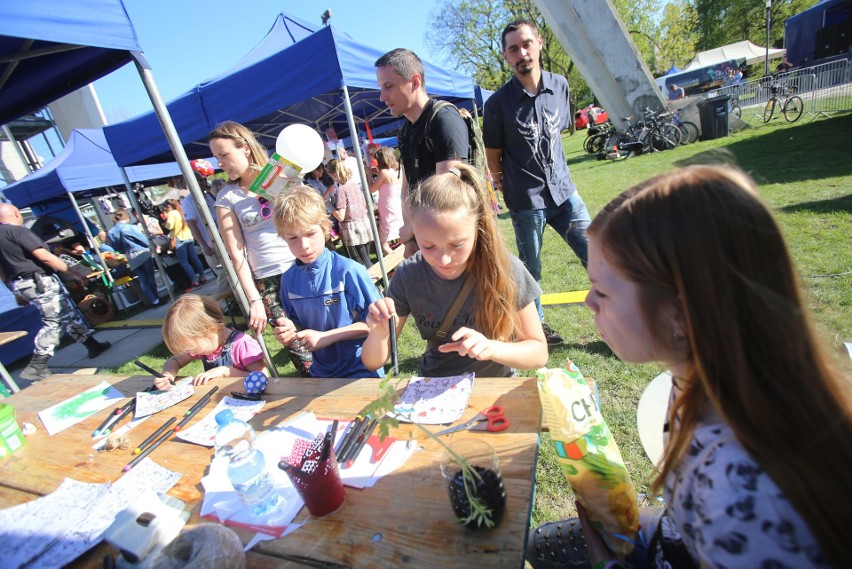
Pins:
<point x="596" y="40"/>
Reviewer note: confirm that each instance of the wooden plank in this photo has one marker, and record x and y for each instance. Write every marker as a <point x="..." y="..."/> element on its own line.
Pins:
<point x="391" y="261"/>
<point x="6" y="337"/>
<point x="404" y="520"/>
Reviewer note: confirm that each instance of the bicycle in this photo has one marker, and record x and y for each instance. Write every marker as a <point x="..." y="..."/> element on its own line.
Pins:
<point x="597" y="136"/>
<point x="791" y="105"/>
<point x="688" y="130"/>
<point x="735" y="111"/>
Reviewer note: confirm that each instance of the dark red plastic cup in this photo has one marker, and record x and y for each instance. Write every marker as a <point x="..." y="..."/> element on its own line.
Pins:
<point x="318" y="483"/>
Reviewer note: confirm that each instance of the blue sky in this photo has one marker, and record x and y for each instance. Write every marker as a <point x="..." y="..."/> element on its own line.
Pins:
<point x="188" y="41"/>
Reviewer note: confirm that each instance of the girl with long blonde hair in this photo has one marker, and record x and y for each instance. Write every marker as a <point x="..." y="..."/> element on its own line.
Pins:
<point x="497" y="327"/>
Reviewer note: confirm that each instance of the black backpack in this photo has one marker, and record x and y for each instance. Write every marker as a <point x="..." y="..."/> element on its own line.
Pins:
<point x="476" y="147"/>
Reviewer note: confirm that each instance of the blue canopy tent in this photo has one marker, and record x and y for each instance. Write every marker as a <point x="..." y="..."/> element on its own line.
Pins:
<point x="272" y="87"/>
<point x="49" y="48"/>
<point x="326" y="80"/>
<point x="84" y="164"/>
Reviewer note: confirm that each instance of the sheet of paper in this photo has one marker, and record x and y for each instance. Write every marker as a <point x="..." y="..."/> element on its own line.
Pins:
<point x="221" y="502"/>
<point x="80" y="407"/>
<point x="54" y="530"/>
<point x="434" y="400"/>
<point x="204" y="431"/>
<point x="150" y="402"/>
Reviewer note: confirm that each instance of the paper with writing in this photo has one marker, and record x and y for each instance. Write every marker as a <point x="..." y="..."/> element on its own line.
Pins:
<point x="204" y="431"/>
<point x="148" y="403"/>
<point x="434" y="400"/>
<point x="54" y="530"/>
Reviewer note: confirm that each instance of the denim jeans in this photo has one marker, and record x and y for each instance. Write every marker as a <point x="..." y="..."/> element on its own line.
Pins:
<point x="570" y="220"/>
<point x="147" y="280"/>
<point x="188" y="259"/>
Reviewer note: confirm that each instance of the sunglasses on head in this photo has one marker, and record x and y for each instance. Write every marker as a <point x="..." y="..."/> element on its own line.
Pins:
<point x="265" y="208"/>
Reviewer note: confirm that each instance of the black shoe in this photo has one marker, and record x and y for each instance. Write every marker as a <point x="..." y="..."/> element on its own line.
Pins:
<point x="95" y="348"/>
<point x="37" y="369"/>
<point x="552" y="336"/>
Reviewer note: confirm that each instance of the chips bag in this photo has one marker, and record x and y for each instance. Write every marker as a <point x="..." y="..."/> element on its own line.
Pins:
<point x="589" y="456"/>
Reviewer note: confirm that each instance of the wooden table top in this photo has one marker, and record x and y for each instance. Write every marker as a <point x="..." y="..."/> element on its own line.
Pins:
<point x="405" y="520"/>
<point x="6" y="337"/>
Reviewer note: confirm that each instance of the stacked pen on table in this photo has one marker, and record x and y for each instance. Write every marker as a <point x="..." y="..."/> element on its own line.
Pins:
<point x="353" y="441"/>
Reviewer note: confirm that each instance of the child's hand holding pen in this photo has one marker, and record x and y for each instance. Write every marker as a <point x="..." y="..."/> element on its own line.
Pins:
<point x="380" y="313"/>
<point x="284" y="329"/>
<point x="164" y="382"/>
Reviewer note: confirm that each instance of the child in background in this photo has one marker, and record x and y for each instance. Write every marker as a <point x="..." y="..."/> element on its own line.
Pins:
<point x="194" y="329"/>
<point x="497" y="328"/>
<point x="324" y="295"/>
<point x="351" y="211"/>
<point x="690" y="269"/>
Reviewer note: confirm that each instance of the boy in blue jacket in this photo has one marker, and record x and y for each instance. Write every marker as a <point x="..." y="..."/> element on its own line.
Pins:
<point x="324" y="295"/>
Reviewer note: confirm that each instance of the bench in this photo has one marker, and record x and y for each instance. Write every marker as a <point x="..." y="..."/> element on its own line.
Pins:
<point x="391" y="261"/>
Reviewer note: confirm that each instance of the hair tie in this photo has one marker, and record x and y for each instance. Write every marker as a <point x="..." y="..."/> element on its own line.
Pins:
<point x="455" y="171"/>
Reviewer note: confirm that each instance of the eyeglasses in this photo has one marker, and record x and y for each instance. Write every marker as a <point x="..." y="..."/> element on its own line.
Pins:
<point x="265" y="208"/>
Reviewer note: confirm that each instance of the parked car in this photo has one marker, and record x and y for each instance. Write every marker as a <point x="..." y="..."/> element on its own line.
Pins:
<point x="581" y="117"/>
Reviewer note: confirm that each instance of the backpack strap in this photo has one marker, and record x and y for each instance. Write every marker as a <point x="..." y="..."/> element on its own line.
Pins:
<point x="437" y="105"/>
<point x="439" y="336"/>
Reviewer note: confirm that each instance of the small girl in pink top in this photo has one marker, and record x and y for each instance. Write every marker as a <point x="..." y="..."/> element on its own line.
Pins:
<point x="194" y="329"/>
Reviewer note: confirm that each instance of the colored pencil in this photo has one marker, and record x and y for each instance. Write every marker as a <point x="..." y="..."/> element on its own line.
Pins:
<point x="152" y="371"/>
<point x="356" y="450"/>
<point x="394" y="352"/>
<point x="196" y="408"/>
<point x="349" y="436"/>
<point x="147" y="451"/>
<point x="109" y="420"/>
<point x="156" y="434"/>
<point x="127" y="409"/>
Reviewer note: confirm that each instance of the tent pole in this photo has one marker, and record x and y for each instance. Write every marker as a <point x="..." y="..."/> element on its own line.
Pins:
<point x="160" y="266"/>
<point x="89" y="236"/>
<point x="356" y="147"/>
<point x="180" y="155"/>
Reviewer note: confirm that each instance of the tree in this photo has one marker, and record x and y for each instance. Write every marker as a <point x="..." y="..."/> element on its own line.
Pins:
<point x="721" y="22"/>
<point x="467" y="34"/>
<point x="678" y="33"/>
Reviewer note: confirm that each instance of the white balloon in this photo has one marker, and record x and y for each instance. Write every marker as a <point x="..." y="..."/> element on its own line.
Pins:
<point x="301" y="145"/>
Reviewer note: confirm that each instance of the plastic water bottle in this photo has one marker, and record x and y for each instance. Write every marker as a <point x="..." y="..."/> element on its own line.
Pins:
<point x="246" y="464"/>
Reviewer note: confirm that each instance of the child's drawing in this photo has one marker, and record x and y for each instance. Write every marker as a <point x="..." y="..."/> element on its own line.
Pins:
<point x="435" y="400"/>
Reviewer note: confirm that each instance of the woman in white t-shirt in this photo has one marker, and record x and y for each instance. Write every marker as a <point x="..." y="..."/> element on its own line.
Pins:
<point x="259" y="255"/>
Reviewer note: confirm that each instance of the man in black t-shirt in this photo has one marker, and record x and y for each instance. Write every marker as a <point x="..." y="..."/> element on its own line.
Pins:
<point x="402" y="81"/>
<point x="28" y="269"/>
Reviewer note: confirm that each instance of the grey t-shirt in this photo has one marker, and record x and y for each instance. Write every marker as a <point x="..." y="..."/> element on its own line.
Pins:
<point x="423" y="296"/>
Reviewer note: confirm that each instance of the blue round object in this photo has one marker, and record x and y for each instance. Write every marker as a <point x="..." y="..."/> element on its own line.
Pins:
<point x="255" y="382"/>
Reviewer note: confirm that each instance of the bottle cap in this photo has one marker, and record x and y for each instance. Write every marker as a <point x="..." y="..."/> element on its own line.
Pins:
<point x="224" y="417"/>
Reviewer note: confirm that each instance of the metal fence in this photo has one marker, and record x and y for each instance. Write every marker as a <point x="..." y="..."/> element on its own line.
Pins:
<point x="824" y="88"/>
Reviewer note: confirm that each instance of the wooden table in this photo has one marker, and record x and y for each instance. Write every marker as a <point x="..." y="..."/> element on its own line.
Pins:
<point x="5" y="338"/>
<point x="405" y="520"/>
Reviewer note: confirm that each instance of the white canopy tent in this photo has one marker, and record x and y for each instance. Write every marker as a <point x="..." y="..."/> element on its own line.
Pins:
<point x="740" y="50"/>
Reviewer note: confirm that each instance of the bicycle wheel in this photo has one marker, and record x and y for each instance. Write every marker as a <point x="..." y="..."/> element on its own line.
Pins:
<point x="736" y="111"/>
<point x="598" y="143"/>
<point x="769" y="110"/>
<point x="665" y="137"/>
<point x="587" y="144"/>
<point x="688" y="132"/>
<point x="793" y="108"/>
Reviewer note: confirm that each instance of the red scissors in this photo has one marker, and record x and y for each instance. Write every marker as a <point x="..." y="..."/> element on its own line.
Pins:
<point x="491" y="419"/>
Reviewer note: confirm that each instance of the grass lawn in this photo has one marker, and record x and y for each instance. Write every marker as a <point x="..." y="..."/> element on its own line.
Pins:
<point x="805" y="175"/>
